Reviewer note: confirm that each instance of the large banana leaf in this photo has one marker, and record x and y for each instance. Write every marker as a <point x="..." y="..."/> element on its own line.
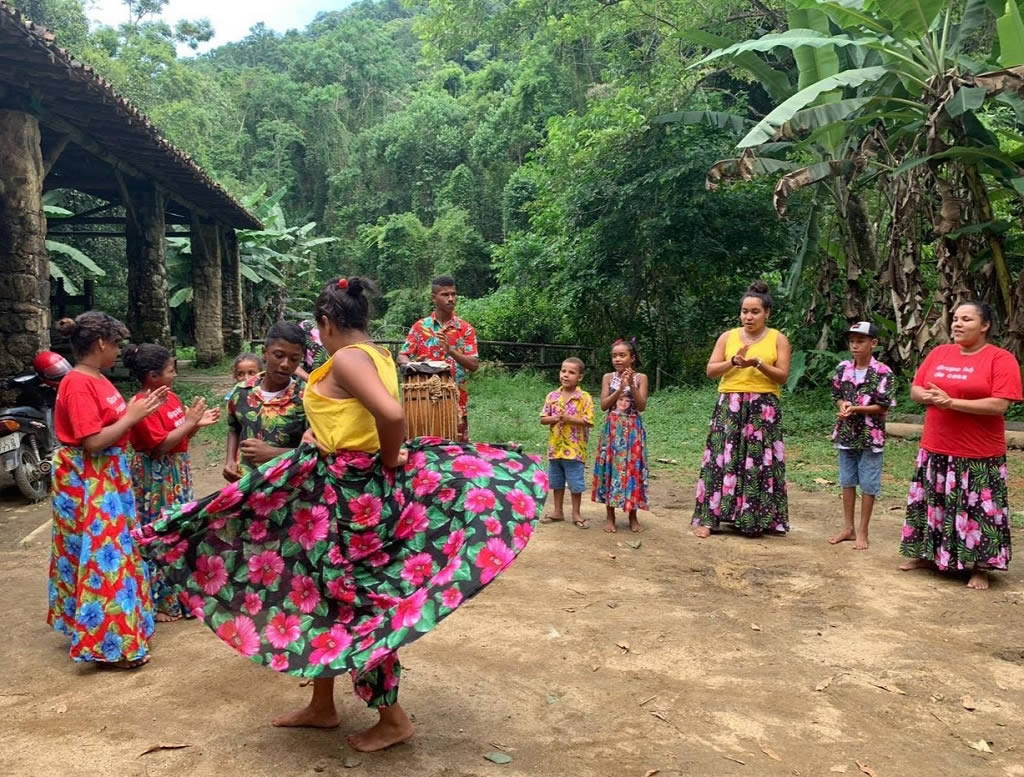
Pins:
<point x="814" y="62"/>
<point x="846" y="15"/>
<point x="806" y="176"/>
<point x="828" y="113"/>
<point x="808" y="244"/>
<point x="58" y="274"/>
<point x="967" y="98"/>
<point x="912" y="18"/>
<point x="766" y="128"/>
<point x="1011" y="36"/>
<point x="73" y="253"/>
<point x="790" y="39"/>
<point x="775" y="82"/>
<point x="717" y="119"/>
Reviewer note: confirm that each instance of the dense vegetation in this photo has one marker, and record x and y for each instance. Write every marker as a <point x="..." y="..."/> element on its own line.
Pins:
<point x="553" y="155"/>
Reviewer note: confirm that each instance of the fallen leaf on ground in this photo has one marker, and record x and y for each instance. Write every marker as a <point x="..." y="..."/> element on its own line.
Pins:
<point x="635" y="544"/>
<point x="825" y="683"/>
<point x="887" y="687"/>
<point x="623" y="645"/>
<point x="866" y="769"/>
<point x="968" y="703"/>
<point x="648" y="699"/>
<point x="613" y="605"/>
<point x="769" y="752"/>
<point x="651" y="772"/>
<point x="659" y="716"/>
<point x="352" y="762"/>
<point x="755" y="627"/>
<point x="981" y="746"/>
<point x="552" y="698"/>
<point x="595" y="667"/>
<point x="499" y="758"/>
<point x="155" y="748"/>
<point x="1001" y="687"/>
<point x="839" y="769"/>
<point x="734" y="760"/>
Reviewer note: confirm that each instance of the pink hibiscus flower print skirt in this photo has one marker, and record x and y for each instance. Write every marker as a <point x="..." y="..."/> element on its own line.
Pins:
<point x="317" y="565"/>
<point x="958" y="512"/>
<point x="743" y="473"/>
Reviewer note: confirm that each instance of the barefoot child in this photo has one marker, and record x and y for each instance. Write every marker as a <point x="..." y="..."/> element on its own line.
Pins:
<point x="246" y="366"/>
<point x="265" y="415"/>
<point x="161" y="472"/>
<point x="620" y="466"/>
<point x="569" y="412"/>
<point x="344" y="551"/>
<point x="863" y="392"/>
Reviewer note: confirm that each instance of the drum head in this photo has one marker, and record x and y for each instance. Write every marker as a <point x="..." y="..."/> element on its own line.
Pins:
<point x="426" y="368"/>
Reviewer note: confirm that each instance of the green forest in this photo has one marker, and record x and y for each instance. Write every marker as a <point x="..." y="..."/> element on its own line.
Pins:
<point x="596" y="168"/>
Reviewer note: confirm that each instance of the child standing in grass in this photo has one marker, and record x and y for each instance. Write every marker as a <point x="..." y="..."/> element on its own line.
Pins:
<point x="161" y="472"/>
<point x="620" y="467"/>
<point x="569" y="412"/>
<point x="863" y="392"/>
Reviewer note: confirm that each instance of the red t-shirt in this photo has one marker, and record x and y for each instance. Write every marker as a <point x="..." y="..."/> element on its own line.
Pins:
<point x="154" y="428"/>
<point x="86" y="405"/>
<point x="990" y="372"/>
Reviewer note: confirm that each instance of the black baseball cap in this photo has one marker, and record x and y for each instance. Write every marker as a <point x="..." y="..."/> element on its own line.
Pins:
<point x="863" y="328"/>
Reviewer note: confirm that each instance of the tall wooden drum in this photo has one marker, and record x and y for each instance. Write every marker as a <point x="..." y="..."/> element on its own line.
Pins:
<point x="430" y="397"/>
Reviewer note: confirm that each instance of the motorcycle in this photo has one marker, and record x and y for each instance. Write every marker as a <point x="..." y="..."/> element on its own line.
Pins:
<point x="27" y="437"/>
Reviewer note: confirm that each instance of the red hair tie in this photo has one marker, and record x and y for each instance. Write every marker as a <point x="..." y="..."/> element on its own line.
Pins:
<point x="343" y="283"/>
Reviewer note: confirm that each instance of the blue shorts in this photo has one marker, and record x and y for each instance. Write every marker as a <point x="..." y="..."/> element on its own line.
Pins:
<point x="861" y="468"/>
<point x="563" y="471"/>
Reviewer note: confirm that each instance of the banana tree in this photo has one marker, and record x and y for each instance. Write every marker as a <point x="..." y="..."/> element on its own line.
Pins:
<point x="893" y="102"/>
<point x="59" y="270"/>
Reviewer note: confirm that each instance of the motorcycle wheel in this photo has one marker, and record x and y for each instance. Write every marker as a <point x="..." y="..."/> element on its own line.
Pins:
<point x="33" y="483"/>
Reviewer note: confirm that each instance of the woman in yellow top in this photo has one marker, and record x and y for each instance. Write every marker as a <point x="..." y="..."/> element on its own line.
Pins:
<point x="331" y="557"/>
<point x="743" y="473"/>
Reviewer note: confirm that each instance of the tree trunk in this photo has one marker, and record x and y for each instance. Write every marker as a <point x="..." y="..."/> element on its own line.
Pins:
<point x="206" y="293"/>
<point x="903" y="275"/>
<point x="148" y="310"/>
<point x="232" y="316"/>
<point x="24" y="266"/>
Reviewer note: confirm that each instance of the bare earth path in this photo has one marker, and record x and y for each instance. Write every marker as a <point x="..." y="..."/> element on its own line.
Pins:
<point x="728" y="656"/>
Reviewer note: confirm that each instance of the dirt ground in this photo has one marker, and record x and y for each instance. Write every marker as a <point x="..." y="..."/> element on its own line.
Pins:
<point x="728" y="656"/>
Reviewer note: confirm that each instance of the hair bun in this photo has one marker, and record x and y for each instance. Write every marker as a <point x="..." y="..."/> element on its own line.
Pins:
<point x="66" y="326"/>
<point x="129" y="355"/>
<point x="758" y="287"/>
<point x="355" y="287"/>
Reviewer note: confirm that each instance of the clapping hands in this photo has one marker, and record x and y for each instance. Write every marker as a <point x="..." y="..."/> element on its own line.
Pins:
<point x="936" y="396"/>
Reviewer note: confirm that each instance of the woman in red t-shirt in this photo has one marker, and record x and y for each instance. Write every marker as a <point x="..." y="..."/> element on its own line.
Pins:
<point x="98" y="592"/>
<point x="160" y="469"/>
<point x="958" y="514"/>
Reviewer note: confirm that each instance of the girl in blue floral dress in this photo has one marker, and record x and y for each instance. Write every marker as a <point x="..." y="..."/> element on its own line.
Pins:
<point x="329" y="558"/>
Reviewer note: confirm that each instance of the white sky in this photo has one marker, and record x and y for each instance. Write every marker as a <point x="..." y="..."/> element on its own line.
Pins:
<point x="231" y="18"/>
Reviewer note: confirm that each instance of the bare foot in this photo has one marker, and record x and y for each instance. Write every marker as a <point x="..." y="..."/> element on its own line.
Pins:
<point x="979" y="580"/>
<point x="844" y="536"/>
<point x="861" y="543"/>
<point x="309" y="717"/>
<point x="702" y="532"/>
<point x="389" y="730"/>
<point x="163" y="617"/>
<point x="917" y="563"/>
<point x="609" y="525"/>
<point x="634" y="524"/>
<point x="126" y="663"/>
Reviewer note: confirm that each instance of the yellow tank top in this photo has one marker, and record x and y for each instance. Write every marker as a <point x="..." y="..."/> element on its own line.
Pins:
<point x="345" y="424"/>
<point x="750" y="379"/>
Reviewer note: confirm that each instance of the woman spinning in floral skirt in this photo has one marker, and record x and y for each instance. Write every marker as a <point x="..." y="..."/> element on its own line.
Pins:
<point x="328" y="561"/>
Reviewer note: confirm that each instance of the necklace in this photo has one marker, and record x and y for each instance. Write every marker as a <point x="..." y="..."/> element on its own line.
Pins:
<point x="759" y="338"/>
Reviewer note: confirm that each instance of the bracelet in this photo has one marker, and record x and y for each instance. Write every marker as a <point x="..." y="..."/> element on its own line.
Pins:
<point x="732" y="361"/>
<point x="758" y="364"/>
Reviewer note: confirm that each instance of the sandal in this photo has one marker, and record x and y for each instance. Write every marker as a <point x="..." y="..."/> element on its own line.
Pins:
<point x="124" y="664"/>
<point x="583" y="523"/>
<point x="551" y="519"/>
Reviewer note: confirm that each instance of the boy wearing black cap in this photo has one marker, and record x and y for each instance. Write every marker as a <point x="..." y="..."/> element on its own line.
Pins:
<point x="863" y="392"/>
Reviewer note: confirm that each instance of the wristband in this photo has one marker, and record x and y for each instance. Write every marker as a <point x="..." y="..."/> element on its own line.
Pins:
<point x="758" y="364"/>
<point x="732" y="361"/>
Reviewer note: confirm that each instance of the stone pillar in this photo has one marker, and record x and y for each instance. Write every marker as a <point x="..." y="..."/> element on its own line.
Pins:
<point x="24" y="266"/>
<point x="232" y="316"/>
<point x="206" y="293"/>
<point x="146" y="249"/>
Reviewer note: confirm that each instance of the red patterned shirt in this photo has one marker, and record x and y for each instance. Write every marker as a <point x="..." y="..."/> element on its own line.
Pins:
<point x="425" y="342"/>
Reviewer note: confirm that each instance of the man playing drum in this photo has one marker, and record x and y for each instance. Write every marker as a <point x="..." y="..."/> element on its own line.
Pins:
<point x="444" y="336"/>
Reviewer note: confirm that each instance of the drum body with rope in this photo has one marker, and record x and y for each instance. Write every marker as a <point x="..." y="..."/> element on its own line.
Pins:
<point x="430" y="397"/>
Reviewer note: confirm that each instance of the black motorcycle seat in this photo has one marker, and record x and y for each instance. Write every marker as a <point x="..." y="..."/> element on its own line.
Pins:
<point x="23" y="411"/>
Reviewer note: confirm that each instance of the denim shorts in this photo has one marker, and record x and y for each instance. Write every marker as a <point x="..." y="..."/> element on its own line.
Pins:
<point x="861" y="468"/>
<point x="562" y="471"/>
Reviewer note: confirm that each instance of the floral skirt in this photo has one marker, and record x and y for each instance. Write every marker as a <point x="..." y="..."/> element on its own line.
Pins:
<point x="958" y="512"/>
<point x="161" y="482"/>
<point x="743" y="472"/>
<point x="318" y="564"/>
<point x="620" y="466"/>
<point x="98" y="591"/>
